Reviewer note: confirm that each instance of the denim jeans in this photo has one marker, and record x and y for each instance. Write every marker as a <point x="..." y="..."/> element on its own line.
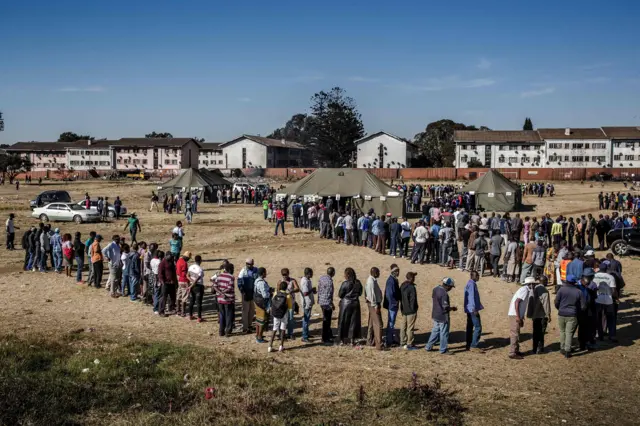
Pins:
<point x="439" y="332"/>
<point x="404" y="247"/>
<point x="279" y="223"/>
<point x="474" y="330"/>
<point x="290" y="323"/>
<point x="124" y="283"/>
<point x="134" y="287"/>
<point x="157" y="295"/>
<point x="306" y="319"/>
<point x="32" y="261"/>
<point x="57" y="260"/>
<point x="80" y="263"/>
<point x="43" y="261"/>
<point x="391" y="323"/>
<point x="393" y="245"/>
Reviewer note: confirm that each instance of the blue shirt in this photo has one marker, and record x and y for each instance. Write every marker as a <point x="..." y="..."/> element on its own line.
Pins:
<point x="575" y="268"/>
<point x="364" y="226"/>
<point x="435" y="230"/>
<point x="472" y="298"/>
<point x="112" y="252"/>
<point x="56" y="242"/>
<point x="377" y="224"/>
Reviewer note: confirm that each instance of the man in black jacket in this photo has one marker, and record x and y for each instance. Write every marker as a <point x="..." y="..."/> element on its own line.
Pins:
<point x="391" y="303"/>
<point x="26" y="246"/>
<point x="409" y="309"/>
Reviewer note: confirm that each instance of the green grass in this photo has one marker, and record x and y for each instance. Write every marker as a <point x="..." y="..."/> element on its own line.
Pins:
<point x="137" y="383"/>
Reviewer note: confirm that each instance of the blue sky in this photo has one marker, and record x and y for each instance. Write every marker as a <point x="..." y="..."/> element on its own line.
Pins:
<point x="217" y="69"/>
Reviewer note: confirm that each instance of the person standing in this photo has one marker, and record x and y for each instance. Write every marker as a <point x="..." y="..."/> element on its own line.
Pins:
<point x="349" y="325"/>
<point x="279" y="220"/>
<point x="569" y="302"/>
<point x="405" y="237"/>
<point x="373" y="298"/>
<point x="540" y="312"/>
<point x="10" y="228"/>
<point x="246" y="285"/>
<point x="112" y="253"/>
<point x="409" y="309"/>
<point x="472" y="307"/>
<point x="496" y="252"/>
<point x="480" y="247"/>
<point x="391" y="303"/>
<point x="134" y="270"/>
<point x="325" y="300"/>
<point x="196" y="277"/>
<point x="117" y="205"/>
<point x="56" y="248"/>
<point x="182" y="267"/>
<point x="87" y="245"/>
<point x="133" y="224"/>
<point x="223" y="285"/>
<point x="440" y="315"/>
<point x="262" y="301"/>
<point x="306" y="293"/>
<point x="527" y="261"/>
<point x="168" y="280"/>
<point x="517" y="312"/>
<point x="281" y="303"/>
<point x="606" y="298"/>
<point x="420" y="235"/>
<point x="26" y="246"/>
<point x="96" y="256"/>
<point x="154" y="201"/>
<point x="154" y="281"/>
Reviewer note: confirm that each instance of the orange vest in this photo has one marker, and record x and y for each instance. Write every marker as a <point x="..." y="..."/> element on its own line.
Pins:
<point x="563" y="269"/>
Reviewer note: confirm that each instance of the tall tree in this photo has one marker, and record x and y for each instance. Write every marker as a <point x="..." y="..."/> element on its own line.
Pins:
<point x="13" y="164"/>
<point x="297" y="129"/>
<point x="72" y="137"/>
<point x="164" y="135"/>
<point x="528" y="125"/>
<point x="436" y="145"/>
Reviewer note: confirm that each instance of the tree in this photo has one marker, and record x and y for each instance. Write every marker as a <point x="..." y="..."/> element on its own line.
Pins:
<point x="436" y="145"/>
<point x="63" y="172"/>
<point x="154" y="135"/>
<point x="474" y="162"/>
<point x="72" y="137"/>
<point x="197" y="139"/>
<point x="297" y="129"/>
<point x="13" y="164"/>
<point x="528" y="125"/>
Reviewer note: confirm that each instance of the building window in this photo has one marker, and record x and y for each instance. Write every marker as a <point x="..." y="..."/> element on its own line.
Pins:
<point x="513" y="160"/>
<point x="555" y="145"/>
<point x="104" y="152"/>
<point x="219" y="161"/>
<point x="502" y="147"/>
<point x="244" y="158"/>
<point x="526" y="148"/>
<point x="629" y="157"/>
<point x="463" y="147"/>
<point x="577" y="158"/>
<point x="566" y="158"/>
<point x="617" y="157"/>
<point x="104" y="163"/>
<point x="567" y="145"/>
<point x="599" y="146"/>
<point x="587" y="145"/>
<point x="119" y="161"/>
<point x="513" y="147"/>
<point x="578" y="146"/>
<point x="501" y="159"/>
<point x="526" y="160"/>
<point x="600" y="158"/>
<point x="73" y="163"/>
<point x="144" y="161"/>
<point x="464" y="159"/>
<point x="629" y="144"/>
<point x="586" y="158"/>
<point x="174" y="162"/>
<point x="167" y="162"/>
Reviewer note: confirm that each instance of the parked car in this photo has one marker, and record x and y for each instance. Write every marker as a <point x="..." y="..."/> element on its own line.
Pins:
<point x="65" y="212"/>
<point x="241" y="185"/>
<point x="624" y="241"/>
<point x="602" y="176"/>
<point x="112" y="210"/>
<point x="48" y="197"/>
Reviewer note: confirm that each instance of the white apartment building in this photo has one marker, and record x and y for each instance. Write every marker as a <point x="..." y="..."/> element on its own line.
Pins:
<point x="384" y="150"/>
<point x="586" y="147"/>
<point x="499" y="149"/>
<point x="625" y="146"/>
<point x="256" y="152"/>
<point x="211" y="156"/>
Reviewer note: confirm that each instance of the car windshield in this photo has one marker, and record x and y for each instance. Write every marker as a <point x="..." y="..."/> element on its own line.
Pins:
<point x="76" y="207"/>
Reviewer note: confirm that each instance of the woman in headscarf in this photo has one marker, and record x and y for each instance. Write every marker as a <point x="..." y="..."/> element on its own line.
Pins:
<point x="349" y="320"/>
<point x="550" y="266"/>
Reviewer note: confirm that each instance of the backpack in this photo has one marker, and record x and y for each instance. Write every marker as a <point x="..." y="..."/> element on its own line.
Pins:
<point x="279" y="305"/>
<point x="259" y="301"/>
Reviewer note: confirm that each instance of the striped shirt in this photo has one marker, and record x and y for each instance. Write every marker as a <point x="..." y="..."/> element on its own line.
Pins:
<point x="223" y="284"/>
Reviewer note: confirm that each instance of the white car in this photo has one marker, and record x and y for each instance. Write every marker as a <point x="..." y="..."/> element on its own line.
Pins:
<point x="241" y="185"/>
<point x="65" y="212"/>
<point x="112" y="210"/>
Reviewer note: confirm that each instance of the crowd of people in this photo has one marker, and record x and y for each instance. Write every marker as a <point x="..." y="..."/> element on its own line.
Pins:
<point x="619" y="201"/>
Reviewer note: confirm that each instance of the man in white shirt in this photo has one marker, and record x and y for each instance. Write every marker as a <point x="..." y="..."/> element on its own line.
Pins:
<point x="219" y="195"/>
<point x="196" y="277"/>
<point x="306" y="292"/>
<point x="11" y="232"/>
<point x="405" y="237"/>
<point x="607" y="296"/>
<point x="420" y="235"/>
<point x="348" y="225"/>
<point x="373" y="297"/>
<point x="178" y="230"/>
<point x="517" y="313"/>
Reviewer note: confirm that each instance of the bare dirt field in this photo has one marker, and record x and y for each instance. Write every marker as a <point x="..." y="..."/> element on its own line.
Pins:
<point x="600" y="387"/>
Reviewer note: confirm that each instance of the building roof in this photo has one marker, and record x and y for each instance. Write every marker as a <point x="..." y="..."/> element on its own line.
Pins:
<point x="594" y="133"/>
<point x="496" y="136"/>
<point x="211" y="145"/>
<point x="154" y="142"/>
<point x="38" y="146"/>
<point x="275" y="143"/>
<point x="104" y="143"/>
<point x="622" y="132"/>
<point x="375" y="135"/>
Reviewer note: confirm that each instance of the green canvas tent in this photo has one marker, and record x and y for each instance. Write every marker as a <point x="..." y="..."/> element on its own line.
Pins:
<point x="214" y="179"/>
<point x="364" y="190"/>
<point x="189" y="180"/>
<point x="494" y="192"/>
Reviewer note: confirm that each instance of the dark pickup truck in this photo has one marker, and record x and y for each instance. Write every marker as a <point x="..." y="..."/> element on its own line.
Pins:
<point x="624" y="241"/>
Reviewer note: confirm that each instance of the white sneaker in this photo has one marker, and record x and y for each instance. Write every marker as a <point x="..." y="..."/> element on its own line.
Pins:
<point x="269" y="349"/>
<point x="405" y="347"/>
<point x="281" y="348"/>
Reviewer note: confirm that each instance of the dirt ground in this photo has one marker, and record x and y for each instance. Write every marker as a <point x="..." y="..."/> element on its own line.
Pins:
<point x="600" y="387"/>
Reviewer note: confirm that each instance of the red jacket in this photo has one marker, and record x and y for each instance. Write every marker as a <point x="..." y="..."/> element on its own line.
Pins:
<point x="181" y="270"/>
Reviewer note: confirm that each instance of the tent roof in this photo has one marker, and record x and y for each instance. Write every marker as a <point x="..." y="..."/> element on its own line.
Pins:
<point x="186" y="179"/>
<point x="346" y="182"/>
<point x="492" y="181"/>
<point x="213" y="178"/>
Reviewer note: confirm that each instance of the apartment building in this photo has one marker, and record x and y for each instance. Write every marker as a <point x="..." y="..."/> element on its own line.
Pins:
<point x="499" y="149"/>
<point x="586" y="147"/>
<point x="43" y="155"/>
<point x="625" y="145"/>
<point x="384" y="150"/>
<point x="211" y="156"/>
<point x="255" y="152"/>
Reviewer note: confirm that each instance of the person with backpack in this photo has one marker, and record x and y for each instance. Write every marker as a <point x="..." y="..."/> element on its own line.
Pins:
<point x="262" y="301"/>
<point x="292" y="288"/>
<point x="246" y="280"/>
<point x="281" y="303"/>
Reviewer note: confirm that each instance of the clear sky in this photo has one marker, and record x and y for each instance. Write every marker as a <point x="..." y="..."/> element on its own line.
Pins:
<point x="218" y="69"/>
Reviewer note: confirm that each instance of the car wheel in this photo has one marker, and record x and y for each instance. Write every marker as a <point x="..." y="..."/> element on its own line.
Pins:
<point x="44" y="218"/>
<point x="620" y="248"/>
<point x="111" y="213"/>
<point x="77" y="219"/>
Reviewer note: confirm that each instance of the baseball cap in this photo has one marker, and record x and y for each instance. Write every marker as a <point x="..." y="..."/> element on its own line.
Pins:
<point x="571" y="279"/>
<point x="589" y="253"/>
<point x="449" y="282"/>
<point x="99" y="237"/>
<point x="588" y="272"/>
<point x="186" y="254"/>
<point x="249" y="261"/>
<point x="529" y="280"/>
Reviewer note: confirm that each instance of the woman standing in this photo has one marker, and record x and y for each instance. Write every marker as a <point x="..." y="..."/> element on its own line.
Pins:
<point x="349" y="320"/>
<point x="526" y="233"/>
<point x="550" y="268"/>
<point x="78" y="251"/>
<point x="67" y="254"/>
<point x="292" y="289"/>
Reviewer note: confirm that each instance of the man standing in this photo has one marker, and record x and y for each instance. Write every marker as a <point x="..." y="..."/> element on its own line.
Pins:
<point x="517" y="312"/>
<point x="394" y="237"/>
<point x="569" y="302"/>
<point x="182" y="268"/>
<point x="420" y="235"/>
<point x="496" y="252"/>
<point x="472" y="307"/>
<point x="95" y="254"/>
<point x="112" y="253"/>
<point x="405" y="236"/>
<point x="527" y="261"/>
<point x="373" y="297"/>
<point x="607" y="297"/>
<point x="440" y="315"/>
<point x="246" y="285"/>
<point x="540" y="312"/>
<point x="168" y="281"/>
<point x="87" y="245"/>
<point x="306" y="293"/>
<point x="391" y="303"/>
<point x="279" y="220"/>
<point x="223" y="286"/>
<point x="480" y="247"/>
<point x="11" y="232"/>
<point x="325" y="300"/>
<point x="133" y="224"/>
<point x="409" y="309"/>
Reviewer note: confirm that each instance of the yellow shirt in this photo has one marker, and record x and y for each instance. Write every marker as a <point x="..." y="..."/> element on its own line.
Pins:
<point x="556" y="229"/>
